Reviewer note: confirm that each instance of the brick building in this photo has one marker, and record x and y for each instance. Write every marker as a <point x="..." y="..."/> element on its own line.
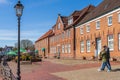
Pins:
<point x="42" y="44"/>
<point x="84" y="32"/>
<point x="98" y="28"/>
<point x="61" y="41"/>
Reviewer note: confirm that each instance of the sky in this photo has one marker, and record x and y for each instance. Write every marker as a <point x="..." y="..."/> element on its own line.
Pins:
<point x="38" y="17"/>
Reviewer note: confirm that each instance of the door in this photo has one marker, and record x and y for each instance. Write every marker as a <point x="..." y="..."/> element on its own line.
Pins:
<point x="58" y="51"/>
<point x="98" y="46"/>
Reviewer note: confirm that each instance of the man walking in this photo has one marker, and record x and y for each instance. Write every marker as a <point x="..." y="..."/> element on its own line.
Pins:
<point x="107" y="56"/>
<point x="103" y="56"/>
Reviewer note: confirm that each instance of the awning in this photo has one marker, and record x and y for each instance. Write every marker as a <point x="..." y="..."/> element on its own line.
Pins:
<point x="11" y="53"/>
<point x="43" y="49"/>
<point x="36" y="51"/>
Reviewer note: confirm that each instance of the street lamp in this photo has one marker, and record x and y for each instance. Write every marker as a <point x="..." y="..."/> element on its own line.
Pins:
<point x="19" y="10"/>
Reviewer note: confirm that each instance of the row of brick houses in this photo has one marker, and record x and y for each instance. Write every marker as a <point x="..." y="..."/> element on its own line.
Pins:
<point x="84" y="32"/>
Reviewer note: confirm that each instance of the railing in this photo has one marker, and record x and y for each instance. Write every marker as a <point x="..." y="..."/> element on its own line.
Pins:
<point x="6" y="71"/>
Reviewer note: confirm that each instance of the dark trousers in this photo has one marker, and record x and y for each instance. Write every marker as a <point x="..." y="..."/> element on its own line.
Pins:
<point x="108" y="64"/>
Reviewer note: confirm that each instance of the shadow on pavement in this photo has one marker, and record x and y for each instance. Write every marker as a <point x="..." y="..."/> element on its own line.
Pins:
<point x="115" y="70"/>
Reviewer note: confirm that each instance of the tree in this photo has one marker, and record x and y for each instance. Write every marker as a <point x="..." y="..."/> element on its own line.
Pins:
<point x="1" y="48"/>
<point x="26" y="44"/>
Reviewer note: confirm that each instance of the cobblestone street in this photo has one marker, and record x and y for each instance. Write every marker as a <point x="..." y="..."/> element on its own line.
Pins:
<point x="54" y="69"/>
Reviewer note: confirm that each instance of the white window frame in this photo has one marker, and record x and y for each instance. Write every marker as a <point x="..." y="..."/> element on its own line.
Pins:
<point x="119" y="17"/>
<point x="88" y="45"/>
<point x="69" y="48"/>
<point x="70" y="21"/>
<point x="97" y="24"/>
<point x="63" y="49"/>
<point x="82" y="46"/>
<point x="110" y="20"/>
<point x="111" y="42"/>
<point x="119" y="41"/>
<point x="88" y="28"/>
<point x="81" y="30"/>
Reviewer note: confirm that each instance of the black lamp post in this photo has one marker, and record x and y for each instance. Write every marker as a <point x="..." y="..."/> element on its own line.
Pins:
<point x="19" y="10"/>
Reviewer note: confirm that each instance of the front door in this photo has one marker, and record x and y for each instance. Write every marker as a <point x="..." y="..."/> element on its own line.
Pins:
<point x="98" y="46"/>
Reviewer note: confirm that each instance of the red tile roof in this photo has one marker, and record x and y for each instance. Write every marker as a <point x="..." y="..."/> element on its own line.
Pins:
<point x="105" y="7"/>
<point x="47" y="34"/>
<point x="80" y="14"/>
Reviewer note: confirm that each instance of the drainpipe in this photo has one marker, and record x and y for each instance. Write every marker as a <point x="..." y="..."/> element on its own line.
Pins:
<point x="74" y="42"/>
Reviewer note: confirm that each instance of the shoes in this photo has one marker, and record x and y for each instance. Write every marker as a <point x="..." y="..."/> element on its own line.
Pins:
<point x="108" y="70"/>
<point x="99" y="70"/>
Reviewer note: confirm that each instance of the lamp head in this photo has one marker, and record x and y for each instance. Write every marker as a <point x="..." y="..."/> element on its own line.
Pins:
<point x="19" y="9"/>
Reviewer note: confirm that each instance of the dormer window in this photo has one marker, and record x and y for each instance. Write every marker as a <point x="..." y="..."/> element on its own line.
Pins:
<point x="58" y="25"/>
<point x="70" y="20"/>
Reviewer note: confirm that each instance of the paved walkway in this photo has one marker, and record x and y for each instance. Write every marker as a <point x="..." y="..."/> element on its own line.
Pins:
<point x="54" y="69"/>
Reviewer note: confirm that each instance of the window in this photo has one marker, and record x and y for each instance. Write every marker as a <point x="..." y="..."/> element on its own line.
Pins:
<point x="88" y="45"/>
<point x="66" y="48"/>
<point x="58" y="25"/>
<point x="81" y="30"/>
<point x="119" y="17"/>
<point x="87" y="28"/>
<point x="119" y="40"/>
<point x="69" y="48"/>
<point x="111" y="42"/>
<point x="98" y="25"/>
<point x="68" y="33"/>
<point x="63" y="49"/>
<point x="70" y="21"/>
<point x="82" y="46"/>
<point x="54" y="50"/>
<point x="109" y="20"/>
<point x="63" y="35"/>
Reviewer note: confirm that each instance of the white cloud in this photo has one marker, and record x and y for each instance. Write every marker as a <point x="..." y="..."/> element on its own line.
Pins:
<point x="13" y="34"/>
<point x="3" y="1"/>
<point x="9" y="37"/>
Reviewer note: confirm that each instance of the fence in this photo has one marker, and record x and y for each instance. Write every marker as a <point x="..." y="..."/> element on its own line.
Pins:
<point x="6" y="71"/>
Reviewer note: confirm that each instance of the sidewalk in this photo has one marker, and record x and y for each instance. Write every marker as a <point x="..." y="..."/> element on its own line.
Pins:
<point x="54" y="69"/>
<point x="90" y="74"/>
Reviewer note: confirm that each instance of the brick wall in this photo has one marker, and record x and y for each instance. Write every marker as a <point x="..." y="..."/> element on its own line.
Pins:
<point x="102" y="33"/>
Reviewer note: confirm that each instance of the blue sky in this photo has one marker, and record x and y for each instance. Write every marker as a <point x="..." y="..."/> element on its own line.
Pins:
<point x="38" y="17"/>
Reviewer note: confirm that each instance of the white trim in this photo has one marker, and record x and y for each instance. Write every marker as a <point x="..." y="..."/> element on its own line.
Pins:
<point x="97" y="20"/>
<point x="99" y="17"/>
<point x="118" y="12"/>
<point x="109" y="16"/>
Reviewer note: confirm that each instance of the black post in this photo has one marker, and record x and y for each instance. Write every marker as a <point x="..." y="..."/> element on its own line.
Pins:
<point x="18" y="61"/>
